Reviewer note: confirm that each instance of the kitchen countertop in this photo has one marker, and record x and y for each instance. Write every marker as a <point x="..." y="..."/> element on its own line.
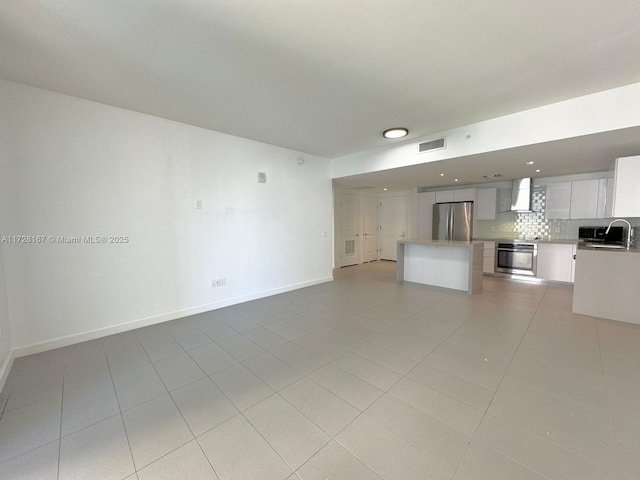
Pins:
<point x="527" y="240"/>
<point x="583" y="247"/>
<point x="437" y="243"/>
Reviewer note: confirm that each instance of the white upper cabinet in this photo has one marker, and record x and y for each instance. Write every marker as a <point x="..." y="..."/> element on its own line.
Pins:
<point x="578" y="199"/>
<point x="626" y="196"/>
<point x="558" y="200"/>
<point x="464" y="195"/>
<point x="444" y="196"/>
<point x="584" y="199"/>
<point x="486" y="204"/>
<point x="608" y="202"/>
<point x="425" y="214"/>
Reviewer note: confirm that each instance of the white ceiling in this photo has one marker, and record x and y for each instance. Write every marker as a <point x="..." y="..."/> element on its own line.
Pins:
<point x="590" y="153"/>
<point x="322" y="77"/>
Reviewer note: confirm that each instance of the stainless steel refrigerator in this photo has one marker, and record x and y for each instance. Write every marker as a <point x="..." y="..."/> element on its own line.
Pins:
<point x="453" y="221"/>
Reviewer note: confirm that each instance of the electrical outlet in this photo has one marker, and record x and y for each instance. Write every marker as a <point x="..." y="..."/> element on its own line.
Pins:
<point x="219" y="282"/>
<point x="199" y="204"/>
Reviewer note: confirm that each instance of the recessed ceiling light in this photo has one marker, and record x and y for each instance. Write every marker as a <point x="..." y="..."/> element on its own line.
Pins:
<point x="455" y="179"/>
<point x="537" y="170"/>
<point x="385" y="189"/>
<point x="395" y="133"/>
<point x="442" y="174"/>
<point x="530" y="163"/>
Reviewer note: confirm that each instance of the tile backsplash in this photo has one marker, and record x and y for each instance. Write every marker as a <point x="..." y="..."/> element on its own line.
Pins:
<point x="534" y="224"/>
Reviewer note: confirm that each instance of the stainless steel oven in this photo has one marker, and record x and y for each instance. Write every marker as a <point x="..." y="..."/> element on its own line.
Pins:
<point x="517" y="258"/>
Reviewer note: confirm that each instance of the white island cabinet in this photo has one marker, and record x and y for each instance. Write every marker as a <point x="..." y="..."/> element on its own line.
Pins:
<point x="607" y="284"/>
<point x="441" y="263"/>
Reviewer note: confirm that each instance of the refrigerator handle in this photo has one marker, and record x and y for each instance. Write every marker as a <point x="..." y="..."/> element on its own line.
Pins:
<point x="451" y="224"/>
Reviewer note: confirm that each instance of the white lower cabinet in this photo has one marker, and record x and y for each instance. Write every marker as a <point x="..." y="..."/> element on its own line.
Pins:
<point x="489" y="258"/>
<point x="555" y="262"/>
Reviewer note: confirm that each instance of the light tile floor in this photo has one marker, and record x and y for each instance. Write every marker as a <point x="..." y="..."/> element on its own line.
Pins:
<point x="360" y="378"/>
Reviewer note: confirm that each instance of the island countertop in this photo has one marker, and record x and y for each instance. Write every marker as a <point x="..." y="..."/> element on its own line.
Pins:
<point x="451" y="243"/>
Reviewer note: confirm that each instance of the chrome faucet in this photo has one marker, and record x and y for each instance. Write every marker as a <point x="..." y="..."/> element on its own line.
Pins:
<point x="628" y="229"/>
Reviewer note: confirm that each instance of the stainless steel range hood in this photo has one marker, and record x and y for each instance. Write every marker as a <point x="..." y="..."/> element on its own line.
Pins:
<point x="521" y="195"/>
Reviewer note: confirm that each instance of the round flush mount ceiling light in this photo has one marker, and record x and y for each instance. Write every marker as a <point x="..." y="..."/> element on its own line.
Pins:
<point x="395" y="133"/>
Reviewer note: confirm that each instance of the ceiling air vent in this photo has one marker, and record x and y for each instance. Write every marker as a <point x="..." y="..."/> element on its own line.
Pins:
<point x="432" y="145"/>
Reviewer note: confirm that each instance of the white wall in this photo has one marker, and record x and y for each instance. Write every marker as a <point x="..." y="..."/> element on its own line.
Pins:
<point x="5" y="332"/>
<point x="84" y="168"/>
<point x="7" y="198"/>
<point x="600" y="112"/>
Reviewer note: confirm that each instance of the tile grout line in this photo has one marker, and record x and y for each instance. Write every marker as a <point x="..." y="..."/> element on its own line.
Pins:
<point x="124" y="427"/>
<point x="606" y="385"/>
<point x="240" y="412"/>
<point x="362" y="412"/>
<point x="181" y="416"/>
<point x="405" y="376"/>
<point x="502" y="379"/>
<point x="60" y="429"/>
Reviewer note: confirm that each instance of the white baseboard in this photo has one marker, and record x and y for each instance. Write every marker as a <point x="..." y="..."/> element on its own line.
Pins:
<point x="165" y="317"/>
<point x="5" y="368"/>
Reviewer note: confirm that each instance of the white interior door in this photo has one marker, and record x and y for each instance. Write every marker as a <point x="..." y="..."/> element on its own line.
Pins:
<point x="370" y="228"/>
<point x="393" y="225"/>
<point x="349" y="213"/>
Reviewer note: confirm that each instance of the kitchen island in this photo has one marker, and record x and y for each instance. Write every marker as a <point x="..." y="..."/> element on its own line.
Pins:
<point x="441" y="263"/>
<point x="607" y="283"/>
